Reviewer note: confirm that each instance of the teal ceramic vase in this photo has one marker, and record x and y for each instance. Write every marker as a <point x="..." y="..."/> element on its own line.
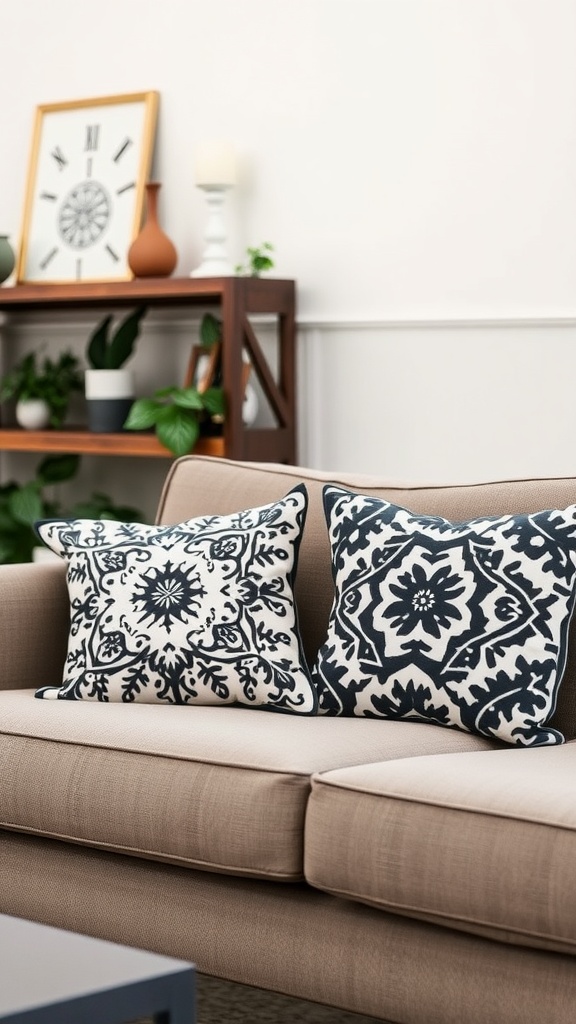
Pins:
<point x="7" y="259"/>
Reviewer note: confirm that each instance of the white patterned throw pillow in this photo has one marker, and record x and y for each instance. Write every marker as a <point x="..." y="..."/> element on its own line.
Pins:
<point x="198" y="613"/>
<point x="461" y="624"/>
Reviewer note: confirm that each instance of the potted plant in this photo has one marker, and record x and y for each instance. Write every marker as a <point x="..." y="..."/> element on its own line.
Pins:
<point x="109" y="385"/>
<point x="42" y="390"/>
<point x="258" y="259"/>
<point x="21" y="505"/>
<point x="176" y="414"/>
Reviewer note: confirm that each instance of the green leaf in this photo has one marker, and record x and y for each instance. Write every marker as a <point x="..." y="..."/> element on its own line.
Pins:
<point x="122" y="344"/>
<point x="261" y="263"/>
<point x="8" y="387"/>
<point x="177" y="431"/>
<point x="6" y="490"/>
<point x="17" y="547"/>
<point x="97" y="344"/>
<point x="188" y="398"/>
<point x="26" y="504"/>
<point x="7" y="522"/>
<point x="54" y="469"/>
<point x="210" y="329"/>
<point x="166" y="392"/>
<point x="143" y="414"/>
<point x="214" y="401"/>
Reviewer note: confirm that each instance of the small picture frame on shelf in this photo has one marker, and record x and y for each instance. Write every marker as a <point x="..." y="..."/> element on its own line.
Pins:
<point x="203" y="366"/>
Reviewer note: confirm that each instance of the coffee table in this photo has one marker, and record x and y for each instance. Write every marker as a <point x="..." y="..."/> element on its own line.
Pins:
<point x="49" y="976"/>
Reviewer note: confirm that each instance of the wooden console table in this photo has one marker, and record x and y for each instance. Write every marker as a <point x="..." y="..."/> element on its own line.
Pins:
<point x="234" y="299"/>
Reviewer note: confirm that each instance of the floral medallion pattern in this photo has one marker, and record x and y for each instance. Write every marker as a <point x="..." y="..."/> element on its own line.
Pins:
<point x="198" y="613"/>
<point x="463" y="624"/>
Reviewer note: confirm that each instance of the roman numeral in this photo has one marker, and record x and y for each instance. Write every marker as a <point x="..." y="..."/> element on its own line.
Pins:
<point x="59" y="158"/>
<point x="78" y="269"/>
<point x="50" y="256"/>
<point x="89" y="167"/>
<point x="122" y="150"/>
<point x="92" y="132"/>
<point x="125" y="188"/>
<point x="111" y="252"/>
<point x="48" y="195"/>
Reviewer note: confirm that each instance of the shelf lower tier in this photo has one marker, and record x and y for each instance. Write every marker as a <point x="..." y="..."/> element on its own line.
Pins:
<point x="83" y="442"/>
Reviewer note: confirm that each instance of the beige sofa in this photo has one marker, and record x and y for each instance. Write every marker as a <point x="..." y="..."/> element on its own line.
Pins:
<point x="418" y="874"/>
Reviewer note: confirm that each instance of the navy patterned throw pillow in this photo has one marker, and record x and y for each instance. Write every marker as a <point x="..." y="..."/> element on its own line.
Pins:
<point x="198" y="613"/>
<point x="461" y="624"/>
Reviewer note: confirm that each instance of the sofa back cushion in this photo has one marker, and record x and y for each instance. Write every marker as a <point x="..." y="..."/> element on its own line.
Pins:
<point x="198" y="485"/>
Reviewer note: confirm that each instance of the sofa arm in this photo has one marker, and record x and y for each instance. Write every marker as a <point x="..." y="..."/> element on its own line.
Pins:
<point x="34" y="623"/>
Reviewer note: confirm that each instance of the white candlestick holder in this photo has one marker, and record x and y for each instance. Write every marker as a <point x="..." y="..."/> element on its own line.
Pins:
<point x="215" y="262"/>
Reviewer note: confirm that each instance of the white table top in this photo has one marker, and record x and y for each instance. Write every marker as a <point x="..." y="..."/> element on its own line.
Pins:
<point x="41" y="966"/>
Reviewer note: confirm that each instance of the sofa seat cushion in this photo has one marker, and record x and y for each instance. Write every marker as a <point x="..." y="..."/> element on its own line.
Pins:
<point x="221" y="789"/>
<point x="486" y="844"/>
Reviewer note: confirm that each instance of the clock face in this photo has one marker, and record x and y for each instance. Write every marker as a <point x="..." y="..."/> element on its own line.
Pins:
<point x="86" y="189"/>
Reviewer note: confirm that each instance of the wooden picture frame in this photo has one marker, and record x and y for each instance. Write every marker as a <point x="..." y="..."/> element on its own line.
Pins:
<point x="203" y="366"/>
<point x="89" y="163"/>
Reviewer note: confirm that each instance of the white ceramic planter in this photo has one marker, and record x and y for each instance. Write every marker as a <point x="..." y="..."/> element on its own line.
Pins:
<point x="109" y="384"/>
<point x="32" y="413"/>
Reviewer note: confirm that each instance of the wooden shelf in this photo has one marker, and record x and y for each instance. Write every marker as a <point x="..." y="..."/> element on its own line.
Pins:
<point x="82" y="442"/>
<point x="262" y="295"/>
<point x="236" y="299"/>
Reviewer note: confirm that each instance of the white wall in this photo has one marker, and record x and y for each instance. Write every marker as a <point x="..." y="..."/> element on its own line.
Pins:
<point x="414" y="164"/>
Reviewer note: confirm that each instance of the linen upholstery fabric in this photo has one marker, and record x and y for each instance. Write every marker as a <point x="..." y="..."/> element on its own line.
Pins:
<point x="216" y="788"/>
<point x="464" y="624"/>
<point x="483" y="844"/>
<point x="201" y="612"/>
<point x="34" y="624"/>
<point x="288" y="939"/>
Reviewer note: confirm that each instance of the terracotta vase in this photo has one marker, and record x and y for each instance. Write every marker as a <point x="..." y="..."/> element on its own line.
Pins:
<point x="152" y="253"/>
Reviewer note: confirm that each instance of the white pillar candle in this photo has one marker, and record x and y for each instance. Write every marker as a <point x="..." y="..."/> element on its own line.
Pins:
<point x="215" y="164"/>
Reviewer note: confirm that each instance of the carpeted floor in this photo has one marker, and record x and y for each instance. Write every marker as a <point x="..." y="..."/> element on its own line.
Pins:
<point x="223" y="1002"/>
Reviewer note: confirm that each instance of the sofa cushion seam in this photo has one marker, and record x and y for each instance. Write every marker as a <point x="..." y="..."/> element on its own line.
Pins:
<point x="408" y="910"/>
<point x="142" y="851"/>
<point x="463" y="808"/>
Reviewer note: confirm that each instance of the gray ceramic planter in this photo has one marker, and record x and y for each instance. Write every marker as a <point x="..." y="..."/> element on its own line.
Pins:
<point x="108" y="415"/>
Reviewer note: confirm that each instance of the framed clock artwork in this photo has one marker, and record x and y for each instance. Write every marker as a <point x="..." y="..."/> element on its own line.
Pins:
<point x="84" y="198"/>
